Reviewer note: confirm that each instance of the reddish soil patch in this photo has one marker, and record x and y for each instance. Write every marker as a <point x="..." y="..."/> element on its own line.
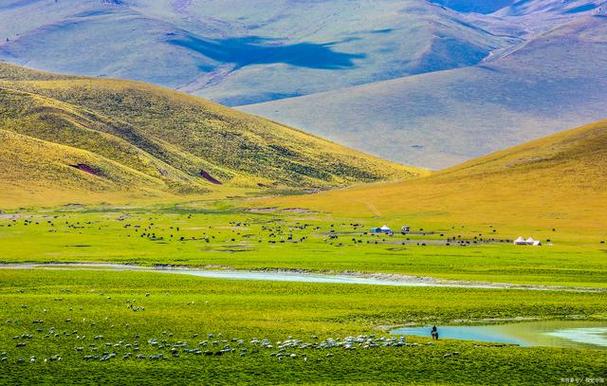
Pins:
<point x="209" y="178"/>
<point x="87" y="169"/>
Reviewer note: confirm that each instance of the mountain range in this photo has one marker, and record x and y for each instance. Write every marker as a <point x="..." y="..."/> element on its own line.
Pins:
<point x="238" y="51"/>
<point x="427" y="83"/>
<point x="555" y="77"/>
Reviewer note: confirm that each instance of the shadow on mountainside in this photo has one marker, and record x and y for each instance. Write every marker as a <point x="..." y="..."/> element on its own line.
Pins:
<point x="250" y="50"/>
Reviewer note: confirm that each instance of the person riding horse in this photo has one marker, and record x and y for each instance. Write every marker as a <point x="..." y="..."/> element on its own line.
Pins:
<point x="434" y="333"/>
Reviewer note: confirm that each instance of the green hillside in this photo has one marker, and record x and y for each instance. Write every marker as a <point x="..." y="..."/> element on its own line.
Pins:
<point x="130" y="138"/>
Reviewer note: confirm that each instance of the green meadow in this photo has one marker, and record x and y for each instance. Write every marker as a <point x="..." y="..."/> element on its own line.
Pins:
<point x="57" y="326"/>
<point x="67" y="325"/>
<point x="222" y="235"/>
<point x="100" y="326"/>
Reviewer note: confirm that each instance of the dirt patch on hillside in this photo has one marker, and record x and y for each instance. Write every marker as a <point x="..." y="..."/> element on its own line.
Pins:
<point x="209" y="178"/>
<point x="88" y="169"/>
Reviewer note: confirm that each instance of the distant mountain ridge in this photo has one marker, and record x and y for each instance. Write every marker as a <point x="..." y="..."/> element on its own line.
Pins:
<point x="550" y="81"/>
<point x="241" y="52"/>
<point x="238" y="51"/>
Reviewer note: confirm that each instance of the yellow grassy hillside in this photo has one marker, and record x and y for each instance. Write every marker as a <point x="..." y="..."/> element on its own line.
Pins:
<point x="557" y="181"/>
<point x="41" y="171"/>
<point x="182" y="145"/>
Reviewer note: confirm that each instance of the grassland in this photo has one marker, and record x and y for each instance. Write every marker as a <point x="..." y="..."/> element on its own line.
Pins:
<point x="129" y="139"/>
<point x="464" y="218"/>
<point x="76" y="326"/>
<point x="76" y="314"/>
<point x="223" y="235"/>
<point x="112" y="326"/>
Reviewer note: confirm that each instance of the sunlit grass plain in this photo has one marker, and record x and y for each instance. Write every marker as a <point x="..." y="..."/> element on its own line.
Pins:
<point x="180" y="308"/>
<point x="231" y="237"/>
<point x="91" y="312"/>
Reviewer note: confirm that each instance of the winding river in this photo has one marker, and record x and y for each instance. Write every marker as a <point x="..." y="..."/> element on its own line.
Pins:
<point x="298" y="276"/>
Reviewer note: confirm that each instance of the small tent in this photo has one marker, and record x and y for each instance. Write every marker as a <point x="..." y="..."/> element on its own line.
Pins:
<point x="529" y="241"/>
<point x="520" y="241"/>
<point x="386" y="229"/>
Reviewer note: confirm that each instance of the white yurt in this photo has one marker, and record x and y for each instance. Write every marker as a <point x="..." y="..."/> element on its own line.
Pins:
<point x="520" y="241"/>
<point x="386" y="229"/>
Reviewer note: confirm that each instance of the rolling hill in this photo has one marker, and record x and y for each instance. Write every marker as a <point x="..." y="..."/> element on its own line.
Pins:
<point x="67" y="137"/>
<point x="554" y="182"/>
<point x="552" y="81"/>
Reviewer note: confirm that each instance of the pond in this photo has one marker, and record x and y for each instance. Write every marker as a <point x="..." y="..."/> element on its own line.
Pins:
<point x="552" y="333"/>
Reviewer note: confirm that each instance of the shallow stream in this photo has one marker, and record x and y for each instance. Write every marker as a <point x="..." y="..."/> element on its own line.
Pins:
<point x="298" y="276"/>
